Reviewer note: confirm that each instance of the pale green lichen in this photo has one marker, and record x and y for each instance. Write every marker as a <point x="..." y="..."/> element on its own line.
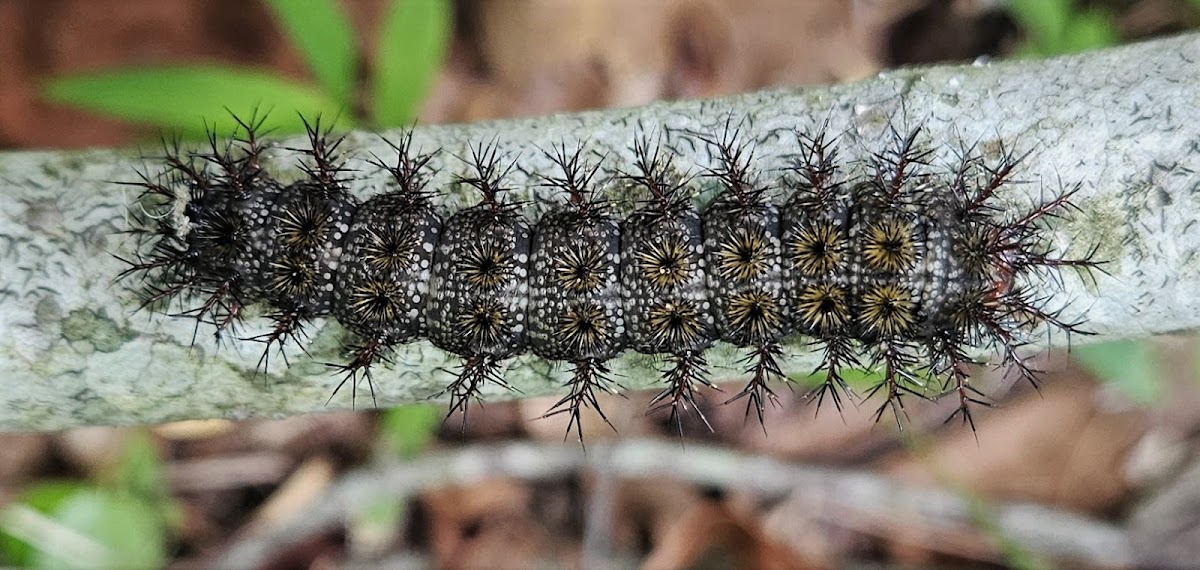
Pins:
<point x="96" y="330"/>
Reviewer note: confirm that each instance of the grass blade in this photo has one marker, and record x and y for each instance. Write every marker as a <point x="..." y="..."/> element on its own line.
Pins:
<point x="320" y="30"/>
<point x="411" y="46"/>
<point x="181" y="98"/>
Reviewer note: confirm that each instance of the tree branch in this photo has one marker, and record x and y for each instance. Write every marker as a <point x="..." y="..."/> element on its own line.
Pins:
<point x="1125" y="123"/>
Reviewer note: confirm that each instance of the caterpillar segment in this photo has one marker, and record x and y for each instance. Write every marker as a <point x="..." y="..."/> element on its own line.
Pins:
<point x="576" y="312"/>
<point x="302" y="241"/>
<point x="478" y="286"/>
<point x="743" y="254"/>
<point x="817" y="256"/>
<point x="386" y="266"/>
<point x="663" y="279"/>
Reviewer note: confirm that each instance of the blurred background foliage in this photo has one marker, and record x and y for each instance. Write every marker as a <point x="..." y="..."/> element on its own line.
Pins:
<point x="130" y="501"/>
<point x="383" y="84"/>
<point x="411" y="45"/>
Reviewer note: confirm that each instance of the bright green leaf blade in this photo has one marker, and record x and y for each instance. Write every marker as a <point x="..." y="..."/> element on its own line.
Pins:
<point x="140" y="471"/>
<point x="43" y="498"/>
<point x="1127" y="365"/>
<point x="183" y="98"/>
<point x="374" y="526"/>
<point x="1045" y="20"/>
<point x="408" y="429"/>
<point x="1090" y="30"/>
<point x="411" y="46"/>
<point x="323" y="35"/>
<point x="128" y="532"/>
<point x="69" y="525"/>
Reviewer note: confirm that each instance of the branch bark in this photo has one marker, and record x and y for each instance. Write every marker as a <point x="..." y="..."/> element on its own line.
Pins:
<point x="1125" y="123"/>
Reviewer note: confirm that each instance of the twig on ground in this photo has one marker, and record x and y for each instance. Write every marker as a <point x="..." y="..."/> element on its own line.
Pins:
<point x="857" y="500"/>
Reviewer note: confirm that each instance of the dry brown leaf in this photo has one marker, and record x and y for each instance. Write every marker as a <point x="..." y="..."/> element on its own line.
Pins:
<point x="492" y="524"/>
<point x="1058" y="447"/>
<point x="709" y="534"/>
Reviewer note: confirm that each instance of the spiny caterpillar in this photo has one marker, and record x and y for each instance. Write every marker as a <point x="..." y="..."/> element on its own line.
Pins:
<point x="887" y="262"/>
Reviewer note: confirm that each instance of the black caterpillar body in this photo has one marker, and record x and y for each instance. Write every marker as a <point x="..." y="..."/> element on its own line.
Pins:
<point x="886" y="262"/>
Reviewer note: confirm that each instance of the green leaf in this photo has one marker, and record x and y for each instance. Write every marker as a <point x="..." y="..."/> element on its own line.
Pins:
<point x="129" y="528"/>
<point x="42" y="498"/>
<point x="411" y="46"/>
<point x="407" y="430"/>
<point x="183" y="98"/>
<point x="321" y="32"/>
<point x="69" y="526"/>
<point x="1090" y="30"/>
<point x="1045" y="20"/>
<point x="139" y="472"/>
<point x="1127" y="365"/>
<point x="376" y="524"/>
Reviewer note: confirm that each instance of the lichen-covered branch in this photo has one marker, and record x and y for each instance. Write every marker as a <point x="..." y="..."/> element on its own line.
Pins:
<point x="1122" y="123"/>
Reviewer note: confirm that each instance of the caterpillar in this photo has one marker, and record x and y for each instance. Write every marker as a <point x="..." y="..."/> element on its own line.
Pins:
<point x="887" y="262"/>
